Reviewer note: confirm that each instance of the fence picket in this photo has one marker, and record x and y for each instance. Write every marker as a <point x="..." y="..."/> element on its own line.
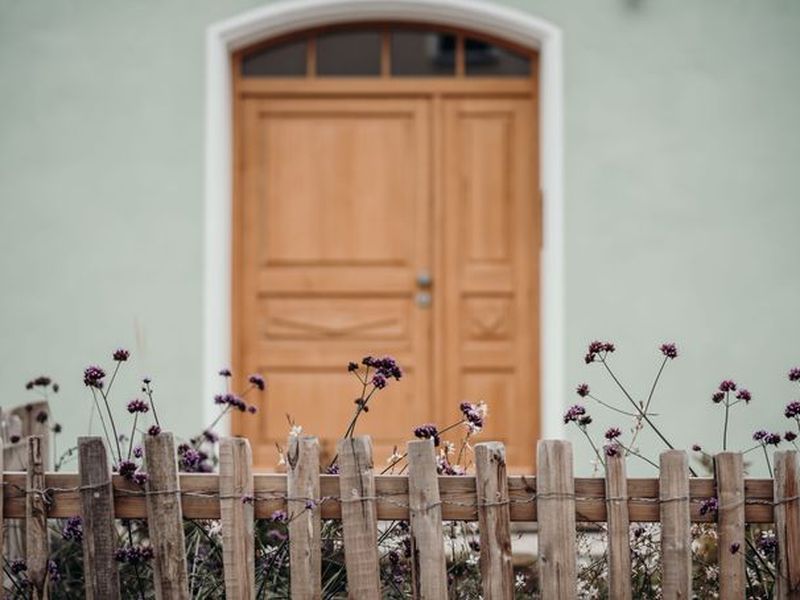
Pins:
<point x="729" y="471"/>
<point x="676" y="559"/>
<point x="494" y="521"/>
<point x="101" y="575"/>
<point x="237" y="516"/>
<point x="555" y="506"/>
<point x="787" y="524"/>
<point x="2" y="520"/>
<point x="165" y="519"/>
<point x="15" y="458"/>
<point x="359" y="518"/>
<point x="619" y="547"/>
<point x="302" y="486"/>
<point x="36" y="542"/>
<point x="429" y="570"/>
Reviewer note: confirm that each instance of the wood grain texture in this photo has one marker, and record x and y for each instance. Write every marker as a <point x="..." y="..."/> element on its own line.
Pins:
<point x="729" y="470"/>
<point x="556" y="514"/>
<point x="787" y="524"/>
<point x="203" y="503"/>
<point x="302" y="482"/>
<point x="619" y="548"/>
<point x="429" y="570"/>
<point x="97" y="515"/>
<point x="676" y="539"/>
<point x="15" y="458"/>
<point x="165" y="518"/>
<point x="36" y="542"/>
<point x="359" y="518"/>
<point x="238" y="525"/>
<point x="34" y="419"/>
<point x="2" y="520"/>
<point x="497" y="572"/>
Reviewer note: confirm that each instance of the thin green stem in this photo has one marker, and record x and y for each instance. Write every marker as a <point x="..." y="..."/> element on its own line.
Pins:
<point x="766" y="459"/>
<point x="725" y="426"/>
<point x="655" y="383"/>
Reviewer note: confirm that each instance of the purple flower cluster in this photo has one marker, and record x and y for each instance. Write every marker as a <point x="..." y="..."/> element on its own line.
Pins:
<point x="93" y="376"/>
<point x="475" y="414"/>
<point x="709" y="505"/>
<point x="669" y="349"/>
<point x="134" y="555"/>
<point x="73" y="529"/>
<point x="279" y="516"/>
<point x="18" y="566"/>
<point x="428" y="432"/>
<point x="582" y="390"/>
<point x="444" y="467"/>
<point x="191" y="460"/>
<point x="138" y="406"/>
<point x="257" y="381"/>
<point x="767" y="542"/>
<point x="154" y="430"/>
<point x="612" y="449"/>
<point x="794" y="374"/>
<point x="598" y="351"/>
<point x="728" y="385"/>
<point x="577" y="414"/>
<point x="767" y="438"/>
<point x="42" y="381"/>
<point x="613" y="433"/>
<point x="129" y="470"/>
<point x="225" y="373"/>
<point x="792" y="410"/>
<point x="745" y="395"/>
<point x="386" y="368"/>
<point x="790" y="436"/>
<point x="121" y="355"/>
<point x="233" y="401"/>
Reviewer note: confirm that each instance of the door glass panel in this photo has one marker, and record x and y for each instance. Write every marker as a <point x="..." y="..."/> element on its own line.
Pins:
<point x="422" y="53"/>
<point x="281" y="60"/>
<point x="349" y="53"/>
<point x="485" y="59"/>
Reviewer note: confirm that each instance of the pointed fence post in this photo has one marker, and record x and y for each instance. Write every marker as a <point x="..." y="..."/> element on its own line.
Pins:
<point x="237" y="517"/>
<point x="15" y="458"/>
<point x="555" y="509"/>
<point x="787" y="523"/>
<point x="36" y="542"/>
<point x="359" y="518"/>
<point x="619" y="547"/>
<point x="165" y="518"/>
<point x="302" y="485"/>
<point x="676" y="539"/>
<point x="729" y="471"/>
<point x="97" y="515"/>
<point x="429" y="570"/>
<point x="494" y="521"/>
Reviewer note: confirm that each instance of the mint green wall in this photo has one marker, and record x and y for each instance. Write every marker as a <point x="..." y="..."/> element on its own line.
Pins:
<point x="682" y="142"/>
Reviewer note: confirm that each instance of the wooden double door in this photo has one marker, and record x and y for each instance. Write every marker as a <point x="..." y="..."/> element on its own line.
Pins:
<point x="392" y="222"/>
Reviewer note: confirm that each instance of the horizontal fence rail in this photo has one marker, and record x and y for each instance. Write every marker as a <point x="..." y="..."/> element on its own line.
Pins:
<point x="200" y="497"/>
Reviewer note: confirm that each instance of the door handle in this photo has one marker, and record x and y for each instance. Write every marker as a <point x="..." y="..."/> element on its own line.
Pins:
<point x="424" y="279"/>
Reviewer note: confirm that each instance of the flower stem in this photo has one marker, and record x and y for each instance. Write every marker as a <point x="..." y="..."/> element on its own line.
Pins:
<point x="766" y="459"/>
<point x="725" y="426"/>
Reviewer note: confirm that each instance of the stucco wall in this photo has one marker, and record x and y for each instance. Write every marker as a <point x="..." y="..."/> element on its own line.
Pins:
<point x="682" y="138"/>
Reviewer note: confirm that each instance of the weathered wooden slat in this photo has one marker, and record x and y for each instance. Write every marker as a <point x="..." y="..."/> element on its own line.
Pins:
<point x="429" y="569"/>
<point x="729" y="471"/>
<point x="36" y="542"/>
<point x="556" y="507"/>
<point x="787" y="524"/>
<point x="2" y="521"/>
<point x="302" y="481"/>
<point x="619" y="547"/>
<point x="359" y="518"/>
<point x="97" y="515"/>
<point x="676" y="541"/>
<point x="238" y="525"/>
<point x="15" y="458"/>
<point x="165" y="519"/>
<point x="129" y="502"/>
<point x="497" y="571"/>
<point x="34" y="419"/>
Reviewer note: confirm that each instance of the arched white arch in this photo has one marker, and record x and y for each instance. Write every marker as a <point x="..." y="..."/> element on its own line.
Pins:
<point x="283" y="17"/>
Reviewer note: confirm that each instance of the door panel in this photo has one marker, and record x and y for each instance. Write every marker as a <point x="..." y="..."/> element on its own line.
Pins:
<point x="491" y="269"/>
<point x="335" y="225"/>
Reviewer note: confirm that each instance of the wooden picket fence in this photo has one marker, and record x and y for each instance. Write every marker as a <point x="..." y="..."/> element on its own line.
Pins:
<point x="554" y="498"/>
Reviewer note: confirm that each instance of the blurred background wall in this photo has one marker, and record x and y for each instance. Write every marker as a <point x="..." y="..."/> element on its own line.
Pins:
<point x="682" y="140"/>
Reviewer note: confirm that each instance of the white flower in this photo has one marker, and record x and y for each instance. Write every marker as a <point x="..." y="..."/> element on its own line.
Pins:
<point x="396" y="456"/>
<point x="295" y="431"/>
<point x="519" y="582"/>
<point x="281" y="459"/>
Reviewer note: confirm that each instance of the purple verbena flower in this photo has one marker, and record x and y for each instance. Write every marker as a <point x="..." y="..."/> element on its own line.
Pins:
<point x="582" y="390"/>
<point x="138" y="406"/>
<point x="772" y="439"/>
<point x="669" y="349"/>
<point x="352" y="367"/>
<point x="121" y="355"/>
<point x="728" y="385"/>
<point x="279" y="516"/>
<point x="257" y="381"/>
<point x="73" y="529"/>
<point x="598" y="350"/>
<point x="210" y="436"/>
<point x="154" y="430"/>
<point x="138" y="452"/>
<point x="735" y="547"/>
<point x="428" y="432"/>
<point x="697" y="448"/>
<point x="709" y="505"/>
<point x="126" y="468"/>
<point x="794" y="374"/>
<point x="717" y="397"/>
<point x="792" y="410"/>
<point x="225" y="373"/>
<point x="745" y="395"/>
<point x="759" y="435"/>
<point x="93" y="376"/>
<point x="379" y="381"/>
<point x="790" y="436"/>
<point x="574" y="413"/>
<point x="252" y="409"/>
<point x="613" y="433"/>
<point x="140" y="478"/>
<point x="611" y="449"/>
<point x="767" y="542"/>
<point x="42" y="416"/>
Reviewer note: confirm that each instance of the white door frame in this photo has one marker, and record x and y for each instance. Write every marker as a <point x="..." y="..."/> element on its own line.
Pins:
<point x="282" y="17"/>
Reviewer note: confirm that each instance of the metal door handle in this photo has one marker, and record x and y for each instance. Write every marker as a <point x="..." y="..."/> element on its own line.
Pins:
<point x="424" y="279"/>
